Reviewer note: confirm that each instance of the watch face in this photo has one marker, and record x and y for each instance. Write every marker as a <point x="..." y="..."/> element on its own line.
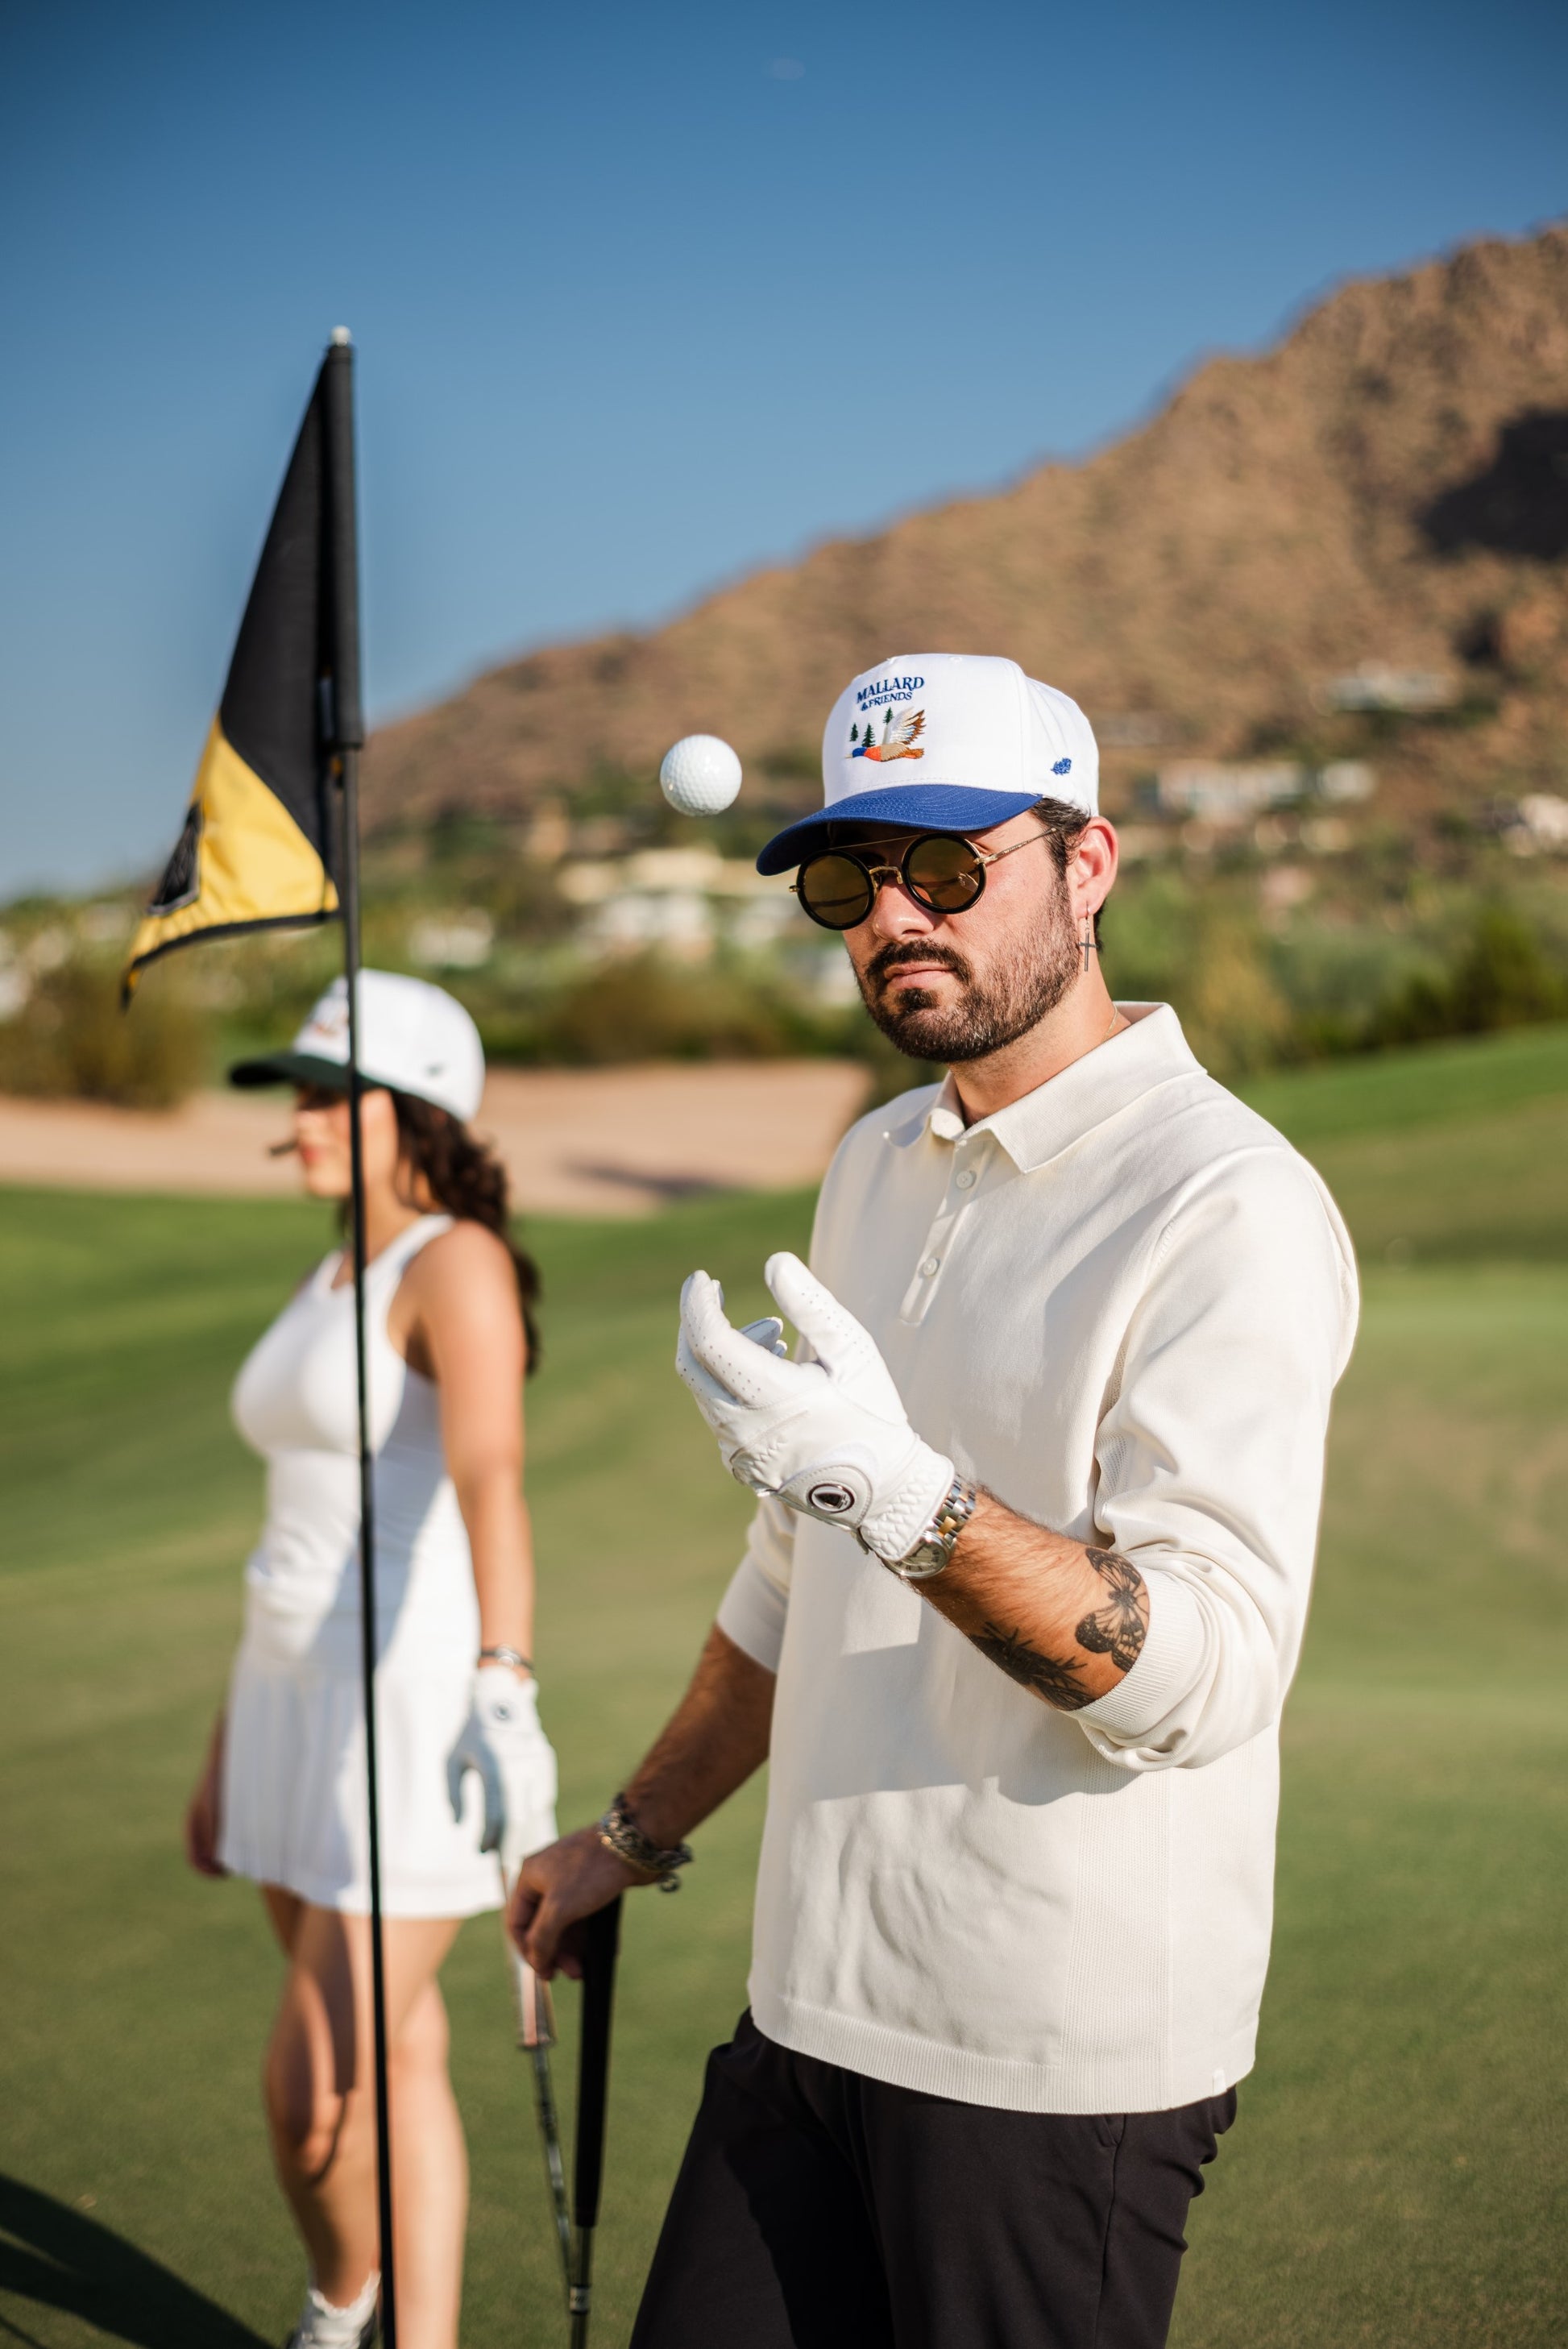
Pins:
<point x="928" y="1555"/>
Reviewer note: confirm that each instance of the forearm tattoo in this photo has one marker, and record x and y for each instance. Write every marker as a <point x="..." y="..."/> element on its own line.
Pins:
<point x="1117" y="1630"/>
<point x="1048" y="1676"/>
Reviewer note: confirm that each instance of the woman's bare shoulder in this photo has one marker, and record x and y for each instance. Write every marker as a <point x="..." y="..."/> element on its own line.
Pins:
<point x="467" y="1253"/>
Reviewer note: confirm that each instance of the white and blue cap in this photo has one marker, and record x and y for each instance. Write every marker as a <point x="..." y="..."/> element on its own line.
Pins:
<point x="942" y="742"/>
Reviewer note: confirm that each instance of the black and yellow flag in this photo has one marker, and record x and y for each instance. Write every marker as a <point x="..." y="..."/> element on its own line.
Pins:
<point x="259" y="848"/>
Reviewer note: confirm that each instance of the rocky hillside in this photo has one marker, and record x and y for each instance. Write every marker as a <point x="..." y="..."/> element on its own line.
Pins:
<point x="1389" y="485"/>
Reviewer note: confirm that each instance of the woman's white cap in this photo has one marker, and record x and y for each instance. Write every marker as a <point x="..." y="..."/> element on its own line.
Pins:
<point x="413" y="1037"/>
<point x="942" y="742"/>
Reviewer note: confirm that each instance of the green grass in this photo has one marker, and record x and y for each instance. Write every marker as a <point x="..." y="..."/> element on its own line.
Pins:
<point x="136" y="1997"/>
<point x="1448" y="1154"/>
<point x="1476" y="1076"/>
<point x="1397" y="2174"/>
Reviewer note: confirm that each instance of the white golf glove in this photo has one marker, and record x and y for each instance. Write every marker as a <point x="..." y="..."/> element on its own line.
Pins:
<point x="827" y="1436"/>
<point x="503" y="1743"/>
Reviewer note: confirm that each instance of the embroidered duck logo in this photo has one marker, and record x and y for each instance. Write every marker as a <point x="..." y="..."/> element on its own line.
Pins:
<point x="898" y="737"/>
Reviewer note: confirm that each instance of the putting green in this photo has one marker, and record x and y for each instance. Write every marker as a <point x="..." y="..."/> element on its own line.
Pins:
<point x="1397" y="2174"/>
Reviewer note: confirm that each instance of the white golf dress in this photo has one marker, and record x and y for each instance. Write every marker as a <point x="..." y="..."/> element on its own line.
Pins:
<point x="294" y="1807"/>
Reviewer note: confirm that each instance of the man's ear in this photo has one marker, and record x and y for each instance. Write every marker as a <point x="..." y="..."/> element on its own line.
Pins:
<point x="1091" y="875"/>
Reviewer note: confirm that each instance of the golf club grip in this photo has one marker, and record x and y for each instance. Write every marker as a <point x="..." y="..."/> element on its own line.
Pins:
<point x="602" y="1940"/>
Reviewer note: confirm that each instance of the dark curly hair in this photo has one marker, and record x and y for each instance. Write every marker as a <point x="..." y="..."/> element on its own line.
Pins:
<point x="466" y="1177"/>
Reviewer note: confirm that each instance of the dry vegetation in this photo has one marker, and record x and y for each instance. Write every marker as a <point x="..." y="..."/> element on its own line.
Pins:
<point x="1385" y="485"/>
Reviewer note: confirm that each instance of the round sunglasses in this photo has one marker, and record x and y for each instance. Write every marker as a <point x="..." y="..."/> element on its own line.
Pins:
<point x="940" y="870"/>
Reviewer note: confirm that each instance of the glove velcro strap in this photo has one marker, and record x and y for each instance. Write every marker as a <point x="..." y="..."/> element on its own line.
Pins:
<point x="892" y="1531"/>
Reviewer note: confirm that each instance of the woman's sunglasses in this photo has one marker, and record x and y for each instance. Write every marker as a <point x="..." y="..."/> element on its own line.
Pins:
<point x="945" y="874"/>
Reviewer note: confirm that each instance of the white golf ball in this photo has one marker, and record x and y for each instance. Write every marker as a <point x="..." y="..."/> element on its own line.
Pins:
<point x="700" y="775"/>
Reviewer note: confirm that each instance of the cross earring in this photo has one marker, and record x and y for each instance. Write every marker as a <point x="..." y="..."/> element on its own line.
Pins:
<point x="1090" y="943"/>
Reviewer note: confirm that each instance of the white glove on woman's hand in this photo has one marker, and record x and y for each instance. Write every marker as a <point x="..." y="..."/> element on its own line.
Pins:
<point x="827" y="1436"/>
<point x="502" y="1741"/>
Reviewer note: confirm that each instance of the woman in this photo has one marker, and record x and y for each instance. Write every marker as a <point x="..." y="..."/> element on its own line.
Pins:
<point x="281" y="1797"/>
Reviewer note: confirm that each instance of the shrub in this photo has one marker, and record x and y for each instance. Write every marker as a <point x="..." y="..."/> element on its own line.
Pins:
<point x="647" y="1009"/>
<point x="1236" y="1021"/>
<point x="73" y="1040"/>
<point x="1500" y="979"/>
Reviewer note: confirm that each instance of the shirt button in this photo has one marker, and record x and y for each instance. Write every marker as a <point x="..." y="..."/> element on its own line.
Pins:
<point x="933" y="1264"/>
<point x="966" y="1180"/>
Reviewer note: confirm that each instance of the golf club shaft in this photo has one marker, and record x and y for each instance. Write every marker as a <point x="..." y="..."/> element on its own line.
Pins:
<point x="554" y="2168"/>
<point x="579" y="2296"/>
<point x="535" y="2038"/>
<point x="601" y="1941"/>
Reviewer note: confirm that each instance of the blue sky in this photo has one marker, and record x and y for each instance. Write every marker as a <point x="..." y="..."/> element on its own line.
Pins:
<point x="642" y="299"/>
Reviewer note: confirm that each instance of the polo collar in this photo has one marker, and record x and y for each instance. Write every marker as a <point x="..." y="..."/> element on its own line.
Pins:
<point x="1152" y="1052"/>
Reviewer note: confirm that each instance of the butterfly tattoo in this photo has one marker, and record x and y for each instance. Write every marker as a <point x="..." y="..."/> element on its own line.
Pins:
<point x="1117" y="1630"/>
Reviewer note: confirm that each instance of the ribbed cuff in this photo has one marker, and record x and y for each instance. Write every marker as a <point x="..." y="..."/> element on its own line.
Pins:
<point x="752" y="1613"/>
<point x="1166" y="1670"/>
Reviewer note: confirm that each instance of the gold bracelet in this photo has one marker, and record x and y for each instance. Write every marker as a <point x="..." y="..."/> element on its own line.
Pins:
<point x="618" y="1832"/>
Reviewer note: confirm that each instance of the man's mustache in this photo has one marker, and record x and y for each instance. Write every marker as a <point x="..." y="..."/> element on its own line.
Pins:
<point x="896" y="956"/>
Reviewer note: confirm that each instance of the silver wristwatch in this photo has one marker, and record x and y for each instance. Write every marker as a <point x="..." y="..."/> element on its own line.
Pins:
<point x="933" y="1551"/>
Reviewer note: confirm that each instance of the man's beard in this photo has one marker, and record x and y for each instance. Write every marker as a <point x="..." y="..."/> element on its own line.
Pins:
<point x="991" y="1013"/>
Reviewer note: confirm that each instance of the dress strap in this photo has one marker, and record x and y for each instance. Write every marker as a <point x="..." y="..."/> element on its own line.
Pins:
<point x="398" y="1255"/>
<point x="386" y="1270"/>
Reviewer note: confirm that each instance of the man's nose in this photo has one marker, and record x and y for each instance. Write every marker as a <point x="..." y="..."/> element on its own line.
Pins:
<point x="895" y="914"/>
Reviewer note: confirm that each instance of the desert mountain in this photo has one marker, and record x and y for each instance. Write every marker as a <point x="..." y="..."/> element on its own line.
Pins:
<point x="1387" y="485"/>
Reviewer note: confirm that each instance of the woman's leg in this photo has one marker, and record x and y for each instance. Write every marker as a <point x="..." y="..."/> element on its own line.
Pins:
<point x="430" y="2178"/>
<point x="320" y="2097"/>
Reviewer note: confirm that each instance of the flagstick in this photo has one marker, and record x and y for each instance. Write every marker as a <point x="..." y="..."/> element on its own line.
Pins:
<point x="367" y="1640"/>
<point x="348" y="733"/>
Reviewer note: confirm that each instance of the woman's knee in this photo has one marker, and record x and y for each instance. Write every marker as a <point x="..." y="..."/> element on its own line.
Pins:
<point x="311" y="2118"/>
<point x="421" y="2043"/>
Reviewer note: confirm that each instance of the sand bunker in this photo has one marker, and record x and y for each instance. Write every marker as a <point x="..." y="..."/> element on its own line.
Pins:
<point x="595" y="1142"/>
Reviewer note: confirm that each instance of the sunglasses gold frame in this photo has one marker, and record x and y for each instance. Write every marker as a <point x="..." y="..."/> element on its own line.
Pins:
<point x="879" y="876"/>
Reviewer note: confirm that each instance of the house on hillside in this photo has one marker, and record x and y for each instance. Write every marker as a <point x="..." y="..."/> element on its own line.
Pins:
<point x="1413" y="692"/>
<point x="682" y="901"/>
<point x="1224" y="792"/>
<point x="1227" y="793"/>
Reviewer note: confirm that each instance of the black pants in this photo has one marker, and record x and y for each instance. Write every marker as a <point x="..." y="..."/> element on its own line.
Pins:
<point x="818" y="2210"/>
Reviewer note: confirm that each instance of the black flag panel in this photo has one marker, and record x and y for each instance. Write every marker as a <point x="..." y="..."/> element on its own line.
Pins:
<point x="257" y="850"/>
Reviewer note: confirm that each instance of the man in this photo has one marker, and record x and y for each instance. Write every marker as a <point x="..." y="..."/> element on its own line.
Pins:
<point x="1020" y="1607"/>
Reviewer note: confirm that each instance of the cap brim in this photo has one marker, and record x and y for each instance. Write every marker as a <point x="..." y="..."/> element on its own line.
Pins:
<point x="908" y="807"/>
<point x="292" y="1069"/>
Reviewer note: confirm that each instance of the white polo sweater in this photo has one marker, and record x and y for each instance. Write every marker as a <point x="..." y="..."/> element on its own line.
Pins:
<point x="1121" y="1303"/>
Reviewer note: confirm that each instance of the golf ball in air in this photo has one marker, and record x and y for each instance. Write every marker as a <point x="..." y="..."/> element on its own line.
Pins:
<point x="700" y="775"/>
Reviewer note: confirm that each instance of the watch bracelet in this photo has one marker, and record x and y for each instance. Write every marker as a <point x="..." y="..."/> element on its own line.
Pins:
<point x="947" y="1523"/>
<point x="618" y="1832"/>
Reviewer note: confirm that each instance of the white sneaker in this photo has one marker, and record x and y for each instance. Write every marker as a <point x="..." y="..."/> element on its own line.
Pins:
<point x="321" y="2326"/>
